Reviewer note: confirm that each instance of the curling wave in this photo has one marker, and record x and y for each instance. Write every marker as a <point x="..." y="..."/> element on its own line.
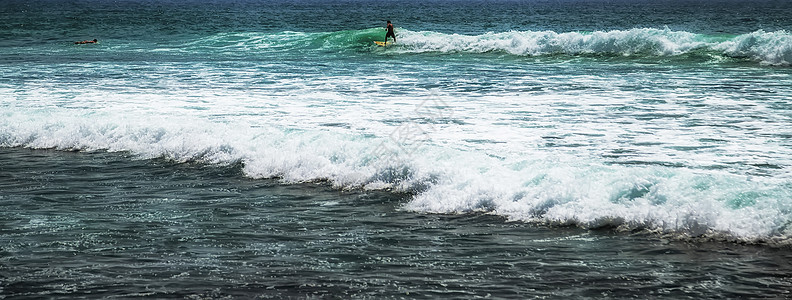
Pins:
<point x="770" y="48"/>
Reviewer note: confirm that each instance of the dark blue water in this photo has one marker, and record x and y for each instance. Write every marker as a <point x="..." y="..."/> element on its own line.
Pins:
<point x="504" y="149"/>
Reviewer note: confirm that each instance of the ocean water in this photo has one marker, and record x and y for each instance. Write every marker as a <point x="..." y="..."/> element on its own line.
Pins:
<point x="505" y="149"/>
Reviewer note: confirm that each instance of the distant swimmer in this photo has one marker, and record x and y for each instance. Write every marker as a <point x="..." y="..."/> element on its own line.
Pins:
<point x="390" y="32"/>
<point x="87" y="42"/>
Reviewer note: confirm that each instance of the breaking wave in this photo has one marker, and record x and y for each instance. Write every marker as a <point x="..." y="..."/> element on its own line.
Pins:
<point x="770" y="48"/>
<point x="548" y="190"/>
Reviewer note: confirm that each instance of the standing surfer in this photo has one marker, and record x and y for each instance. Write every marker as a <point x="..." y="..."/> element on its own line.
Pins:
<point x="390" y="33"/>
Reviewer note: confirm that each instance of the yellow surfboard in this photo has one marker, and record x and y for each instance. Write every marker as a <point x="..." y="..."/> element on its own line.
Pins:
<point x="382" y="44"/>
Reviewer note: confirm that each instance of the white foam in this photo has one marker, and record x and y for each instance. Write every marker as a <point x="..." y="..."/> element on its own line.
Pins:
<point x="627" y="42"/>
<point x="491" y="156"/>
<point x="555" y="189"/>
<point x="593" y="195"/>
<point x="767" y="47"/>
<point x="773" y="48"/>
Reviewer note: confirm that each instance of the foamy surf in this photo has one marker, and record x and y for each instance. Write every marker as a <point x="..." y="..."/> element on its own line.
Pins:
<point x="773" y="48"/>
<point x="628" y="43"/>
<point x="549" y="189"/>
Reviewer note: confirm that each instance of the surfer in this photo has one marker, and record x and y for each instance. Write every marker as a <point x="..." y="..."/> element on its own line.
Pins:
<point x="87" y="42"/>
<point x="390" y="32"/>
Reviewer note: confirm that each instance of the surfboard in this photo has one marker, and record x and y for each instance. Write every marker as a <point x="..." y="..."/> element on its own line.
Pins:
<point x="382" y="44"/>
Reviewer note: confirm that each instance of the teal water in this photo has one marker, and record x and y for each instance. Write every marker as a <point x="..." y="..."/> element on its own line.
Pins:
<point x="658" y="126"/>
